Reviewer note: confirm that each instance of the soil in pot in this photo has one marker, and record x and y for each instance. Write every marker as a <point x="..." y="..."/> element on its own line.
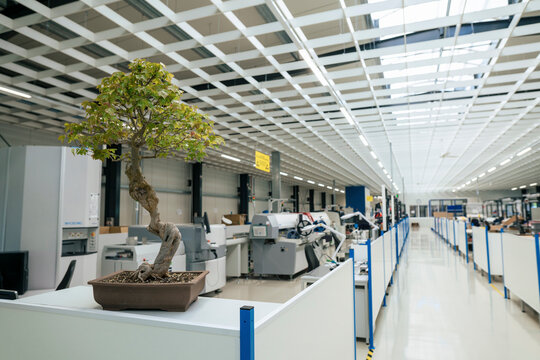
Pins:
<point x="127" y="278"/>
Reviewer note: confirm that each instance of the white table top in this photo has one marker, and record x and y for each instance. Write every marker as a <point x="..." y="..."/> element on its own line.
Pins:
<point x="205" y="313"/>
<point x="322" y="270"/>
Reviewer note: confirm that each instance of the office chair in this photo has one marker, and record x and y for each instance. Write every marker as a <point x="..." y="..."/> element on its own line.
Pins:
<point x="64" y="284"/>
<point x="311" y="258"/>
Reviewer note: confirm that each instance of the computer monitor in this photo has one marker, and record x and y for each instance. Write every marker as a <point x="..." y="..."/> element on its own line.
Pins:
<point x="14" y="271"/>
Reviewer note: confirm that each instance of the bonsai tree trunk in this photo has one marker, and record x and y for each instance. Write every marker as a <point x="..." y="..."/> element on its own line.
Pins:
<point x="141" y="191"/>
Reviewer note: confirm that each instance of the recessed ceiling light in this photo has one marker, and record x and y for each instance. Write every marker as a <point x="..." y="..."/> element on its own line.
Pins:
<point x="523" y="186"/>
<point x="321" y="185"/>
<point x="481" y="175"/>
<point x="298" y="178"/>
<point x="505" y="162"/>
<point x="311" y="181"/>
<point x="373" y="154"/>
<point x="524" y="151"/>
<point x="329" y="187"/>
<point x="363" y="139"/>
<point x="380" y="164"/>
<point x="533" y="184"/>
<point x="492" y="169"/>
<point x="515" y="188"/>
<point x="15" y="92"/>
<point x="284" y="173"/>
<point x="468" y="182"/>
<point x="230" y="157"/>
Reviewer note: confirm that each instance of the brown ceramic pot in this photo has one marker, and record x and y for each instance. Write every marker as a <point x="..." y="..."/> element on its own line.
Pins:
<point x="153" y="296"/>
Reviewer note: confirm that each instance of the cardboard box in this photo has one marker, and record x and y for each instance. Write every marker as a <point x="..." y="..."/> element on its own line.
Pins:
<point x="511" y="220"/>
<point x="495" y="228"/>
<point x="113" y="229"/>
<point x="237" y="219"/>
<point x="443" y="214"/>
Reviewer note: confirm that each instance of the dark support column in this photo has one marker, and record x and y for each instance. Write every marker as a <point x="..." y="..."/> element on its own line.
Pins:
<point x="196" y="190"/>
<point x="113" y="171"/>
<point x="323" y="200"/>
<point x="276" y="179"/>
<point x="311" y="200"/>
<point x="296" y="192"/>
<point x="332" y="199"/>
<point x="244" y="194"/>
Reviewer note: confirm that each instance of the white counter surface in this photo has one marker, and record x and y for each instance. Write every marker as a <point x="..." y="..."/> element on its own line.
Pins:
<point x="205" y="314"/>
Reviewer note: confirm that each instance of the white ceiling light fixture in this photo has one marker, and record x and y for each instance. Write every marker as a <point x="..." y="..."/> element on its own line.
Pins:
<point x="523" y="186"/>
<point x="283" y="173"/>
<point x="321" y="185"/>
<point x="364" y="141"/>
<point x="230" y="157"/>
<point x="298" y="178"/>
<point x="454" y="190"/>
<point x="373" y="154"/>
<point x="347" y="115"/>
<point x="514" y="188"/>
<point x="14" y="92"/>
<point x="482" y="175"/>
<point x="307" y="58"/>
<point x="336" y="189"/>
<point x="380" y="164"/>
<point x="505" y="162"/>
<point x="492" y="169"/>
<point x="342" y="191"/>
<point x="474" y="179"/>
<point x="468" y="182"/>
<point x="524" y="151"/>
<point x="329" y="187"/>
<point x="533" y="184"/>
<point x="311" y="181"/>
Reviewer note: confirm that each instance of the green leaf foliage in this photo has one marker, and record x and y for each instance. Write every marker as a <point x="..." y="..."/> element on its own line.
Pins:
<point x="141" y="109"/>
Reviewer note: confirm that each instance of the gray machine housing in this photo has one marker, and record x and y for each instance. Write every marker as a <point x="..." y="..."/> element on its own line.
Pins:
<point x="270" y="254"/>
<point x="197" y="249"/>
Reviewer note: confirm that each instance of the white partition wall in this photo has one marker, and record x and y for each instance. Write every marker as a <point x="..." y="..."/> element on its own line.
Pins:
<point x="388" y="257"/>
<point x="461" y="237"/>
<point x="377" y="274"/>
<point x="316" y="324"/>
<point x="488" y="261"/>
<point x="521" y="268"/>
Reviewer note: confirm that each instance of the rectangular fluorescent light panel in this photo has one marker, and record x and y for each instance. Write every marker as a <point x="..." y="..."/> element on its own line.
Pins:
<point x="481" y="175"/>
<point x="14" y="92"/>
<point x="373" y="154"/>
<point x="514" y="188"/>
<point x="347" y="116"/>
<point x="283" y="173"/>
<point x="380" y="164"/>
<point x="523" y="186"/>
<point x="298" y="178"/>
<point x="533" y="184"/>
<point x="230" y="157"/>
<point x="311" y="181"/>
<point x="505" y="162"/>
<point x="492" y="169"/>
<point x="329" y="187"/>
<point x="307" y="58"/>
<point x="321" y="185"/>
<point x="363" y="139"/>
<point x="524" y="151"/>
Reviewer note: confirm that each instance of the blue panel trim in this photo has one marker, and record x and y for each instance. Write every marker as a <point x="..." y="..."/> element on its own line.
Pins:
<point x="351" y="256"/>
<point x="466" y="243"/>
<point x="247" y="333"/>
<point x="370" y="296"/>
<point x="537" y="246"/>
<point x="454" y="232"/>
<point x="397" y="246"/>
<point x="487" y="251"/>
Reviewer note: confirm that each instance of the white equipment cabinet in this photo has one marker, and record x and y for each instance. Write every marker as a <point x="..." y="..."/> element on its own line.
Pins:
<point x="49" y="206"/>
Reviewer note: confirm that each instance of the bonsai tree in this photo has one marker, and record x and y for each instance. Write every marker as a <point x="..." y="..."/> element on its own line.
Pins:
<point x="142" y="109"/>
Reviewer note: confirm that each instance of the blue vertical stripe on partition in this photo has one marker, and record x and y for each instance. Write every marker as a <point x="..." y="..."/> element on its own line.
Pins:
<point x="397" y="246"/>
<point x="454" y="232"/>
<point x="247" y="333"/>
<point x="370" y="296"/>
<point x="502" y="254"/>
<point x="487" y="251"/>
<point x="351" y="255"/>
<point x="537" y="247"/>
<point x="466" y="243"/>
<point x="447" y="240"/>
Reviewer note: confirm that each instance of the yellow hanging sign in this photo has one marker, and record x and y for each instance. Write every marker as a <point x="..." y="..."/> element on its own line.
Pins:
<point x="262" y="161"/>
<point x="369" y="198"/>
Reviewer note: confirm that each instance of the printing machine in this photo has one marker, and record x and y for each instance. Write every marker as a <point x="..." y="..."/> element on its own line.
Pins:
<point x="205" y="249"/>
<point x="277" y="247"/>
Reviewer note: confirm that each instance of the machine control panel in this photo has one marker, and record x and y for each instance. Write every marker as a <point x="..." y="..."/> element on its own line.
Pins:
<point x="259" y="231"/>
<point x="79" y="240"/>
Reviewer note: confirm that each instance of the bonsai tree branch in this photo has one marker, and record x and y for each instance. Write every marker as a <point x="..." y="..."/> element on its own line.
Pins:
<point x="142" y="109"/>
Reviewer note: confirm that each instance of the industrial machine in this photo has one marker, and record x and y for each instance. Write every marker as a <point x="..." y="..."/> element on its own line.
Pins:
<point x="130" y="257"/>
<point x="205" y="249"/>
<point x="277" y="243"/>
<point x="49" y="206"/>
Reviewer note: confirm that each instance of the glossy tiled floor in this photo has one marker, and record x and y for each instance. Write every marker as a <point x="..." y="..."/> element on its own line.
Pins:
<point x="438" y="308"/>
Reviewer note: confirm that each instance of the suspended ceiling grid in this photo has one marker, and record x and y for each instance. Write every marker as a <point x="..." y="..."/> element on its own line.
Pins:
<point x="445" y="103"/>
